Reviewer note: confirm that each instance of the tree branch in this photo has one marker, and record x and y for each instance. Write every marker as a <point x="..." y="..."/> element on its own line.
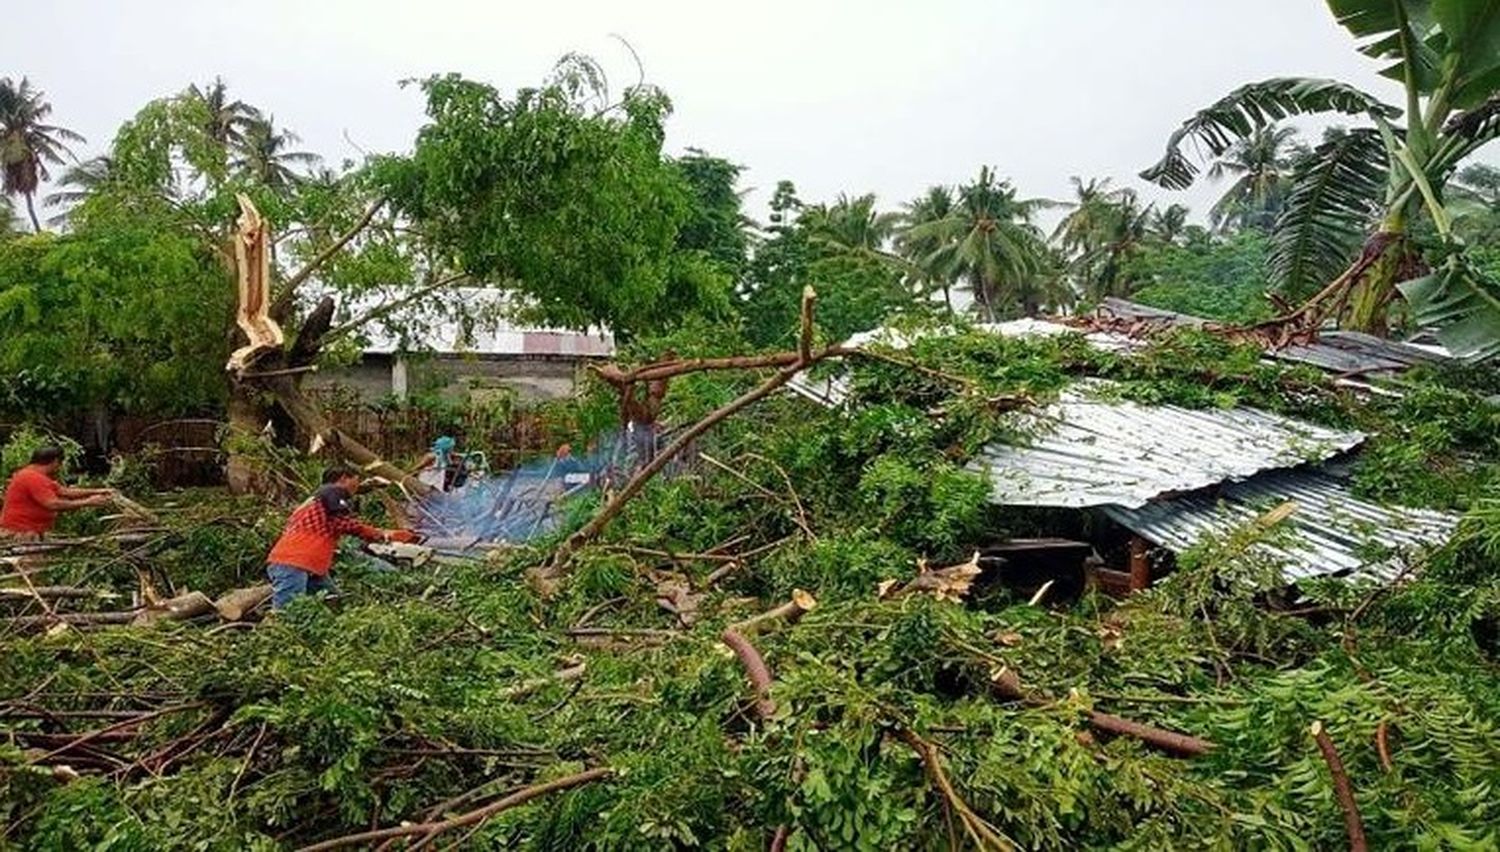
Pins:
<point x="432" y="829"/>
<point x="376" y="313"/>
<point x="1342" y="789"/>
<point x="545" y="577"/>
<point x="289" y="290"/>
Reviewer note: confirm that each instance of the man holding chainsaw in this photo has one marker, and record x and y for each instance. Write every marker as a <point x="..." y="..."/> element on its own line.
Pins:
<point x="301" y="559"/>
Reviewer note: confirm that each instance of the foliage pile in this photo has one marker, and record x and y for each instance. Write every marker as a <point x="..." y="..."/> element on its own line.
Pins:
<point x="427" y="693"/>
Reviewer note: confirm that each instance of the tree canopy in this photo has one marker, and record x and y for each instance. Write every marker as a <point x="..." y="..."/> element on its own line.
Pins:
<point x="560" y="197"/>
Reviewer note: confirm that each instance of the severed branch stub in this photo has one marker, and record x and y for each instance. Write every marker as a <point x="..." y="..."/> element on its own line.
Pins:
<point x="790" y="612"/>
<point x="1342" y="789"/>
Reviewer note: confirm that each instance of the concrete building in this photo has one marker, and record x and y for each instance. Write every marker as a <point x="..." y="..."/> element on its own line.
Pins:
<point x="416" y="351"/>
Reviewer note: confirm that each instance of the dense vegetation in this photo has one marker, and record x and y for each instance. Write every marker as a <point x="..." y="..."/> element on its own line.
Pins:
<point x="425" y="684"/>
<point x="968" y="719"/>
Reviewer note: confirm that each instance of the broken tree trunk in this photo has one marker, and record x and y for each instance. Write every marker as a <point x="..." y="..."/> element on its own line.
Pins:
<point x="278" y="371"/>
<point x="235" y="605"/>
<point x="253" y="260"/>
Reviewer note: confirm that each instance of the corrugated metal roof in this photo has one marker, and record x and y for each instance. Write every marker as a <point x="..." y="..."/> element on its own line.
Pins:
<point x="1091" y="451"/>
<point x="1331" y="532"/>
<point x="1343" y="352"/>
<point x="832" y="390"/>
<point x="1095" y="452"/>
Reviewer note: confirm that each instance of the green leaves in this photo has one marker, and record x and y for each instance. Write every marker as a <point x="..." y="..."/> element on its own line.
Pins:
<point x="570" y="206"/>
<point x="1470" y="40"/>
<point x="1463" y="303"/>
<point x="1394" y="31"/>
<point x="1336" y="193"/>
<point x="1251" y="106"/>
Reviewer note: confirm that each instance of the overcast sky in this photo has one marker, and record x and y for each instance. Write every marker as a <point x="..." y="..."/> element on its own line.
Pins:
<point x="839" y="96"/>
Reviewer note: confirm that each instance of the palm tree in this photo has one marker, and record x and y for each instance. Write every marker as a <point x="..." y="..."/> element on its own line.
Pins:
<point x="1169" y="225"/>
<point x="990" y="242"/>
<point x="226" y="122"/>
<point x="264" y="155"/>
<point x="1261" y="166"/>
<point x="27" y="146"/>
<point x="1104" y="227"/>
<point x="851" y="224"/>
<point x="921" y="247"/>
<point x="1366" y="212"/>
<point x="1091" y="217"/>
<point x="81" y="180"/>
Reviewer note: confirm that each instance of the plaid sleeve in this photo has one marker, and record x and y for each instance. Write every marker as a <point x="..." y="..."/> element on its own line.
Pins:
<point x="346" y="525"/>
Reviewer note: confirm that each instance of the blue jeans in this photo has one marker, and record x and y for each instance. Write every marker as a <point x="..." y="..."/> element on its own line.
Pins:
<point x="289" y="583"/>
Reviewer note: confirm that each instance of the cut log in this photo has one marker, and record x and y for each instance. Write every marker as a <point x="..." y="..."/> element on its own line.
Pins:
<point x="180" y="608"/>
<point x="235" y="605"/>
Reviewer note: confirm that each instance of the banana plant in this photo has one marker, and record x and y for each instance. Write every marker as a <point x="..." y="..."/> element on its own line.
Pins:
<point x="1355" y="226"/>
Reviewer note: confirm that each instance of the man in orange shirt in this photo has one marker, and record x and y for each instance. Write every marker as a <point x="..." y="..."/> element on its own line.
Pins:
<point x="301" y="559"/>
<point x="34" y="497"/>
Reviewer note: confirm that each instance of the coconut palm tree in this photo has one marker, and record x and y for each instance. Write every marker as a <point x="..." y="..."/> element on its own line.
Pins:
<point x="851" y="224"/>
<point x="1169" y="225"/>
<point x="1091" y="217"/>
<point x="27" y="145"/>
<point x="990" y="242"/>
<point x="80" y="181"/>
<point x="226" y="121"/>
<point x="921" y="247"/>
<point x="1260" y="166"/>
<point x="1354" y="223"/>
<point x="265" y="155"/>
<point x="1102" y="229"/>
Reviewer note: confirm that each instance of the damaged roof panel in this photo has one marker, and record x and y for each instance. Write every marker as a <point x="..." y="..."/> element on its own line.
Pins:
<point x="1330" y="532"/>
<point x="1342" y="352"/>
<point x="1098" y="452"/>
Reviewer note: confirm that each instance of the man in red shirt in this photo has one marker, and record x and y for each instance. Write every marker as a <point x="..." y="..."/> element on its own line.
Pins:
<point x="34" y="497"/>
<point x="301" y="559"/>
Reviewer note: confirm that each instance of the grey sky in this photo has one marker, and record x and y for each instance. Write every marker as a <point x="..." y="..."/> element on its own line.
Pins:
<point x="838" y="96"/>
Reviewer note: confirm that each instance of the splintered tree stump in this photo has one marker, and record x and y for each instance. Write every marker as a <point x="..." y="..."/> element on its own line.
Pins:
<point x="235" y="605"/>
